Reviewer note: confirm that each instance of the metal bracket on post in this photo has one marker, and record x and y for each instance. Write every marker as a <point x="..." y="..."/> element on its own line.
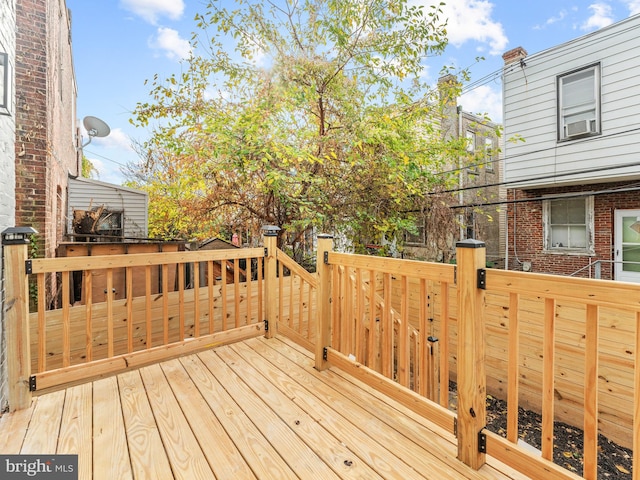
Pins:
<point x="28" y="267"/>
<point x="266" y="252"/>
<point x="325" y="353"/>
<point x="482" y="441"/>
<point x="326" y="258"/>
<point x="482" y="279"/>
<point x="266" y="325"/>
<point x="32" y="383"/>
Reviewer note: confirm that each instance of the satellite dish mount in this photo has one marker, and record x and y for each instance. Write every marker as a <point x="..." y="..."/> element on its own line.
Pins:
<point x="95" y="128"/>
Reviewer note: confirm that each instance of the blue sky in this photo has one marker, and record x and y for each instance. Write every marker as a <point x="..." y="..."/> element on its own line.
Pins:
<point x="118" y="44"/>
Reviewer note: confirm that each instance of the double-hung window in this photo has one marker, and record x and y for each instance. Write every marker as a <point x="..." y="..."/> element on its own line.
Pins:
<point x="579" y="103"/>
<point x="569" y="224"/>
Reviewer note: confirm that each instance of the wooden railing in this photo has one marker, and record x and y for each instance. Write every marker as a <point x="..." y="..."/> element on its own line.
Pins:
<point x="402" y="327"/>
<point x="172" y="303"/>
<point x="380" y="314"/>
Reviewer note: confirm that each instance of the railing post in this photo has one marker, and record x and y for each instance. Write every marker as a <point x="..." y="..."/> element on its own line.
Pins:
<point x="323" y="335"/>
<point x="471" y="378"/>
<point x="15" y="243"/>
<point x="270" y="241"/>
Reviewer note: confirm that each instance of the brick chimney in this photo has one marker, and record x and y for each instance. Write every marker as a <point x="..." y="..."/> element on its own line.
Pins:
<point x="514" y="55"/>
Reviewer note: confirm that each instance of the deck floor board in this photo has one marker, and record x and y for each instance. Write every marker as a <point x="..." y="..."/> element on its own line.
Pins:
<point x="252" y="410"/>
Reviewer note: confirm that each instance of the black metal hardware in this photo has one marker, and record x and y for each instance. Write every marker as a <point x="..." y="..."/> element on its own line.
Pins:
<point x="266" y="252"/>
<point x="266" y="325"/>
<point x="455" y="426"/>
<point x="32" y="383"/>
<point x="325" y="353"/>
<point x="28" y="267"/>
<point x="482" y="279"/>
<point x="326" y="258"/>
<point x="482" y="441"/>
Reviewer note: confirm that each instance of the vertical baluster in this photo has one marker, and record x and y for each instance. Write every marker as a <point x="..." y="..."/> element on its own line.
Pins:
<point x="129" y="300"/>
<point x="444" y="344"/>
<point x="42" y="322"/>
<point x="110" y="312"/>
<point x="513" y="365"/>
<point x="223" y="290"/>
<point x="147" y="306"/>
<point x="210" y="284"/>
<point x="165" y="303"/>
<point x="236" y="291"/>
<point x="88" y="295"/>
<point x="196" y="299"/>
<point x="548" y="380"/>
<point x="590" y="430"/>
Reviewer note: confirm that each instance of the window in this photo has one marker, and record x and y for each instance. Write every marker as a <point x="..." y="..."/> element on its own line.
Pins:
<point x="471" y="141"/>
<point x="417" y="238"/>
<point x="579" y="103"/>
<point x="569" y="224"/>
<point x="5" y="93"/>
<point x="489" y="154"/>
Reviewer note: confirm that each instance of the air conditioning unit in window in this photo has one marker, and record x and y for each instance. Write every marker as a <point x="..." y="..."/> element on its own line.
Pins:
<point x="580" y="128"/>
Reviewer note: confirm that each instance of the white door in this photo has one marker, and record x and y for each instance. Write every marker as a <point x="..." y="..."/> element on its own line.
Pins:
<point x="627" y="245"/>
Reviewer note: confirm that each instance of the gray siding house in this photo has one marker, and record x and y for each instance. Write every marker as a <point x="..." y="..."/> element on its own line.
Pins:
<point x="573" y="181"/>
<point x="119" y="212"/>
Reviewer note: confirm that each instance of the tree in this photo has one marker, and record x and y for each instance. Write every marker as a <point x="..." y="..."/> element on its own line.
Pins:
<point x="320" y="118"/>
<point x="88" y="168"/>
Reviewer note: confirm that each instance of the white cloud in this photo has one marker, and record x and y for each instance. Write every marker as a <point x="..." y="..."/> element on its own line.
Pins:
<point x="601" y="17"/>
<point x="551" y="20"/>
<point x="169" y="41"/>
<point x="472" y="20"/>
<point x="484" y="100"/>
<point x="633" y="6"/>
<point x="117" y="139"/>
<point x="151" y="10"/>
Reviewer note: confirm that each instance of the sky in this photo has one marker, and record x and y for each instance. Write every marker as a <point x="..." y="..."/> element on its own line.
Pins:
<point x="120" y="44"/>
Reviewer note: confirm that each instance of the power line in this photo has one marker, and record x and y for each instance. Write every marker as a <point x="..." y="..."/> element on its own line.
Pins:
<point x="545" y="197"/>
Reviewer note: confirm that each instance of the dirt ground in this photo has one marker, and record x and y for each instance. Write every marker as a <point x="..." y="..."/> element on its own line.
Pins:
<point x="613" y="461"/>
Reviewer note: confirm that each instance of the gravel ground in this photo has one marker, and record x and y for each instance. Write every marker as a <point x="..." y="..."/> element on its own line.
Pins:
<point x="614" y="461"/>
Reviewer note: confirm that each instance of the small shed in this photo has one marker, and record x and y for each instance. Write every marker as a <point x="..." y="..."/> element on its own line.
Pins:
<point x="100" y="208"/>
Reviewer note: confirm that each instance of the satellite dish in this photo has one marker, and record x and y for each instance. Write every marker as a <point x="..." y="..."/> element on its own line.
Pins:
<point x="95" y="128"/>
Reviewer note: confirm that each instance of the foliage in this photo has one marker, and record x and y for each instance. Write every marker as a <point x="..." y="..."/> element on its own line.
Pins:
<point x="320" y="118"/>
<point x="88" y="169"/>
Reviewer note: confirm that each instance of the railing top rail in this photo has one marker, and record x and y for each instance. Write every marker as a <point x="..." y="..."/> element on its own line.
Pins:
<point x="97" y="262"/>
<point x="294" y="267"/>
<point x="411" y="268"/>
<point x="582" y="290"/>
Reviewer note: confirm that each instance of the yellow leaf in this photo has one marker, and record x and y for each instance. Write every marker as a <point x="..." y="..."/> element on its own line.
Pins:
<point x="622" y="469"/>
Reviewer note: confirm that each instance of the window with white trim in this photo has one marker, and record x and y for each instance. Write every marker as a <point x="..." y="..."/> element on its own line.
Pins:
<point x="569" y="224"/>
<point x="579" y="103"/>
<point x="489" y="154"/>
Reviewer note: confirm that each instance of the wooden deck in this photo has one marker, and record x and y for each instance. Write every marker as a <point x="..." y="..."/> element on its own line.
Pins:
<point x="256" y="409"/>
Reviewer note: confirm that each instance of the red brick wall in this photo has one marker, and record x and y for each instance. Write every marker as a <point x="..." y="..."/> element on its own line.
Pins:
<point x="45" y="87"/>
<point x="526" y="241"/>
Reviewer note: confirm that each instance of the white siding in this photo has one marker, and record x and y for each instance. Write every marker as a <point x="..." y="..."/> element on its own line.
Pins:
<point x="85" y="194"/>
<point x="530" y="111"/>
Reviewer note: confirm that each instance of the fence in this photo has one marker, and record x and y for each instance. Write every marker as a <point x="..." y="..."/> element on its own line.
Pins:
<point x="403" y="327"/>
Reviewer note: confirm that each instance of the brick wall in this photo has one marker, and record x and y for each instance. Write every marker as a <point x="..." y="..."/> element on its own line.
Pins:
<point x="7" y="178"/>
<point x="45" y="119"/>
<point x="526" y="241"/>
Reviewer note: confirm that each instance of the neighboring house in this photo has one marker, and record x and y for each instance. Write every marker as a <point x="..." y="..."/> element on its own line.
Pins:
<point x="574" y="179"/>
<point x="105" y="210"/>
<point x="7" y="165"/>
<point x="479" y="167"/>
<point x="46" y="139"/>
